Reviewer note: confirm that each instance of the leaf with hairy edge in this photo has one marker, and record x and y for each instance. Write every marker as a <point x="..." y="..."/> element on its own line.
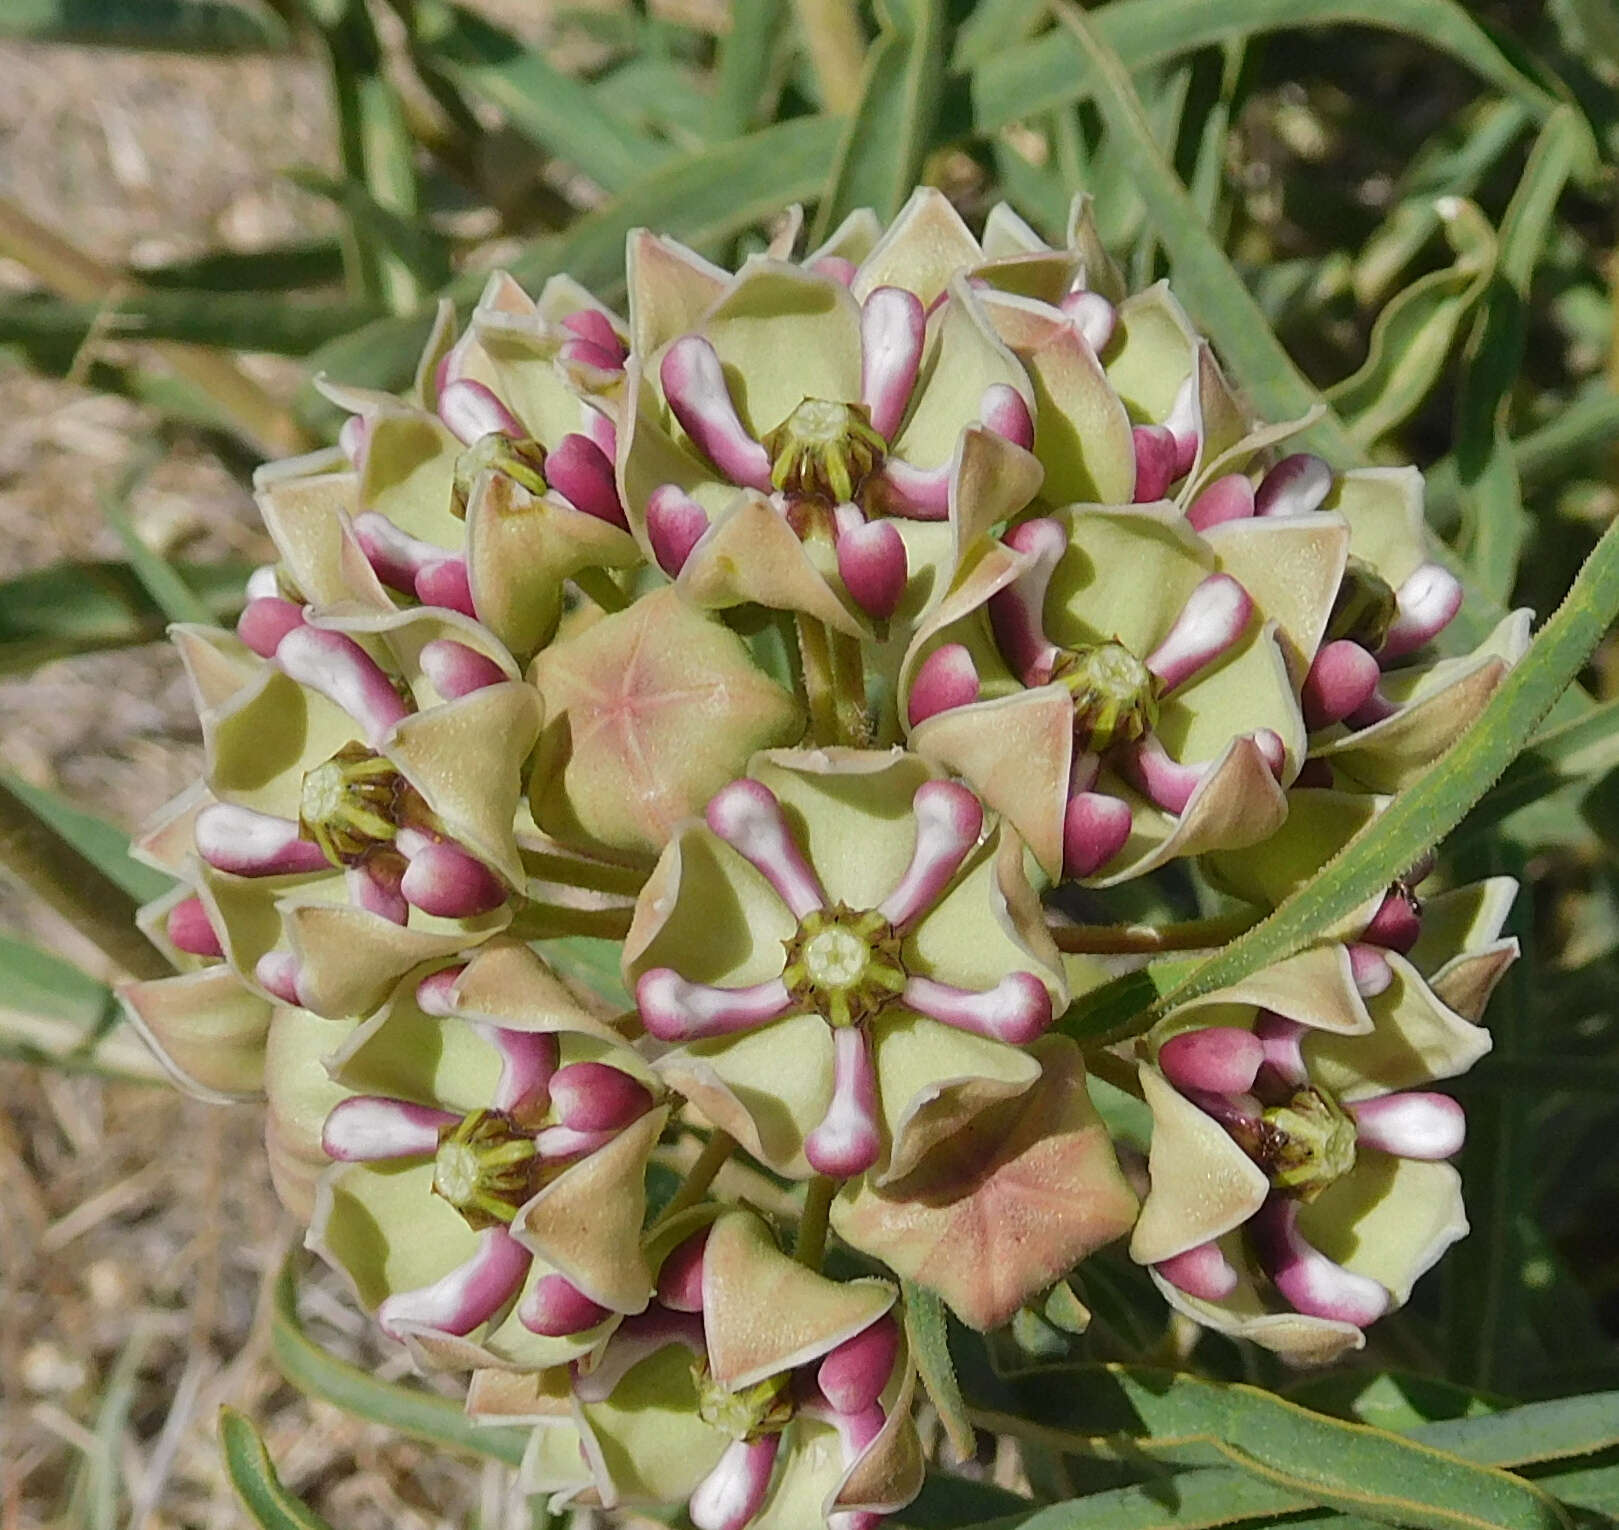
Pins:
<point x="927" y="1332"/>
<point x="422" y="1415"/>
<point x="887" y="139"/>
<point x="252" y="1473"/>
<point x="1125" y="1411"/>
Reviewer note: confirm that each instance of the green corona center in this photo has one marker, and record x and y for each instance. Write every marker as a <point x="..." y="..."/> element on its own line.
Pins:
<point x="351" y="804"/>
<point x="1304" y="1144"/>
<point x="522" y="461"/>
<point x="764" y="1408"/>
<point x="844" y="964"/>
<point x="1115" y="695"/>
<point x="824" y="450"/>
<point x="1365" y="607"/>
<point x="485" y="1167"/>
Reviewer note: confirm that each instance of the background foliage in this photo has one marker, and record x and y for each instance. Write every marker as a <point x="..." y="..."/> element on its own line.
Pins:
<point x="1398" y="216"/>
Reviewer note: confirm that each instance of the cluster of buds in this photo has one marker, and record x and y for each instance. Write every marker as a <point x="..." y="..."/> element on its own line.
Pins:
<point x="803" y="635"/>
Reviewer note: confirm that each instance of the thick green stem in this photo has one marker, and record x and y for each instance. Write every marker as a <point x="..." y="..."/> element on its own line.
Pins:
<point x="1115" y="1071"/>
<point x="600" y="586"/>
<point x="548" y="921"/>
<point x="812" y="1225"/>
<point x="700" y="1176"/>
<point x="1128" y="939"/>
<point x="84" y="895"/>
<point x="589" y="876"/>
<point x="849" y="690"/>
<point x="820" y="689"/>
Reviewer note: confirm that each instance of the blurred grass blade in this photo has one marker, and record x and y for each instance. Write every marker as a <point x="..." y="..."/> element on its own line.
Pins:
<point x="405" y="1409"/>
<point x="1021" y="82"/>
<point x="1424" y="813"/>
<point x="282" y="324"/>
<point x="927" y="1332"/>
<point x="746" y="68"/>
<point x="253" y="1475"/>
<point x="888" y="137"/>
<point x="73" y="608"/>
<point x="546" y="106"/>
<point x="54" y="1016"/>
<point x="171" y="594"/>
<point x="96" y="1495"/>
<point x="992" y="26"/>
<point x="663" y="96"/>
<point x="376" y="151"/>
<point x="39" y="856"/>
<point x="273" y="268"/>
<point x="176" y="26"/>
<point x="705" y="199"/>
<point x="1579" y="750"/>
<point x="66" y="269"/>
<point x="102" y="843"/>
<point x="1124" y="1411"/>
<point x="1484" y="464"/>
<point x="1412" y="338"/>
<point x="406" y="238"/>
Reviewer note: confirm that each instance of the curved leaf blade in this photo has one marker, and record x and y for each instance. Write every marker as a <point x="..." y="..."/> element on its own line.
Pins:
<point x="252" y="1473"/>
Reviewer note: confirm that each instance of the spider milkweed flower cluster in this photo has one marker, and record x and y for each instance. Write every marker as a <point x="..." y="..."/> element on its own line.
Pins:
<point x="817" y="634"/>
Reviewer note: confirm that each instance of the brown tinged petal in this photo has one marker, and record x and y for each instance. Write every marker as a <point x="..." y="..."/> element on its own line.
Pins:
<point x="207" y="1028"/>
<point x="1001" y="1210"/>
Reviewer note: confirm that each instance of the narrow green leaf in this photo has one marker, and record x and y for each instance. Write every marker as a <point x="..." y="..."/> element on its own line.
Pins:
<point x="285" y="325"/>
<point x="405" y="237"/>
<point x="888" y="137"/>
<point x="178" y="26"/>
<point x="746" y="68"/>
<point x="660" y="95"/>
<point x="552" y="109"/>
<point x="98" y="1486"/>
<point x="406" y="1409"/>
<point x="927" y="1332"/>
<point x="274" y="268"/>
<point x="1484" y="462"/>
<point x="253" y="1475"/>
<point x="946" y="1502"/>
<point x="704" y="198"/>
<point x="104" y="844"/>
<point x="1021" y="82"/>
<point x="72" y="608"/>
<point x="1412" y="338"/>
<point x="1426" y="812"/>
<point x="993" y="26"/>
<point x="1306" y="1456"/>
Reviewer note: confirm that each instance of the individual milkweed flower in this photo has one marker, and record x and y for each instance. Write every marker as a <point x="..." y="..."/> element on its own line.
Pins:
<point x="1376" y="719"/>
<point x="992" y="1216"/>
<point x="488" y="488"/>
<point x="362" y="776"/>
<point x="648" y="712"/>
<point x="488" y="1188"/>
<point x="846" y="960"/>
<point x="757" y="1393"/>
<point x="1122" y="689"/>
<point x="1299" y="1186"/>
<point x="794" y="441"/>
